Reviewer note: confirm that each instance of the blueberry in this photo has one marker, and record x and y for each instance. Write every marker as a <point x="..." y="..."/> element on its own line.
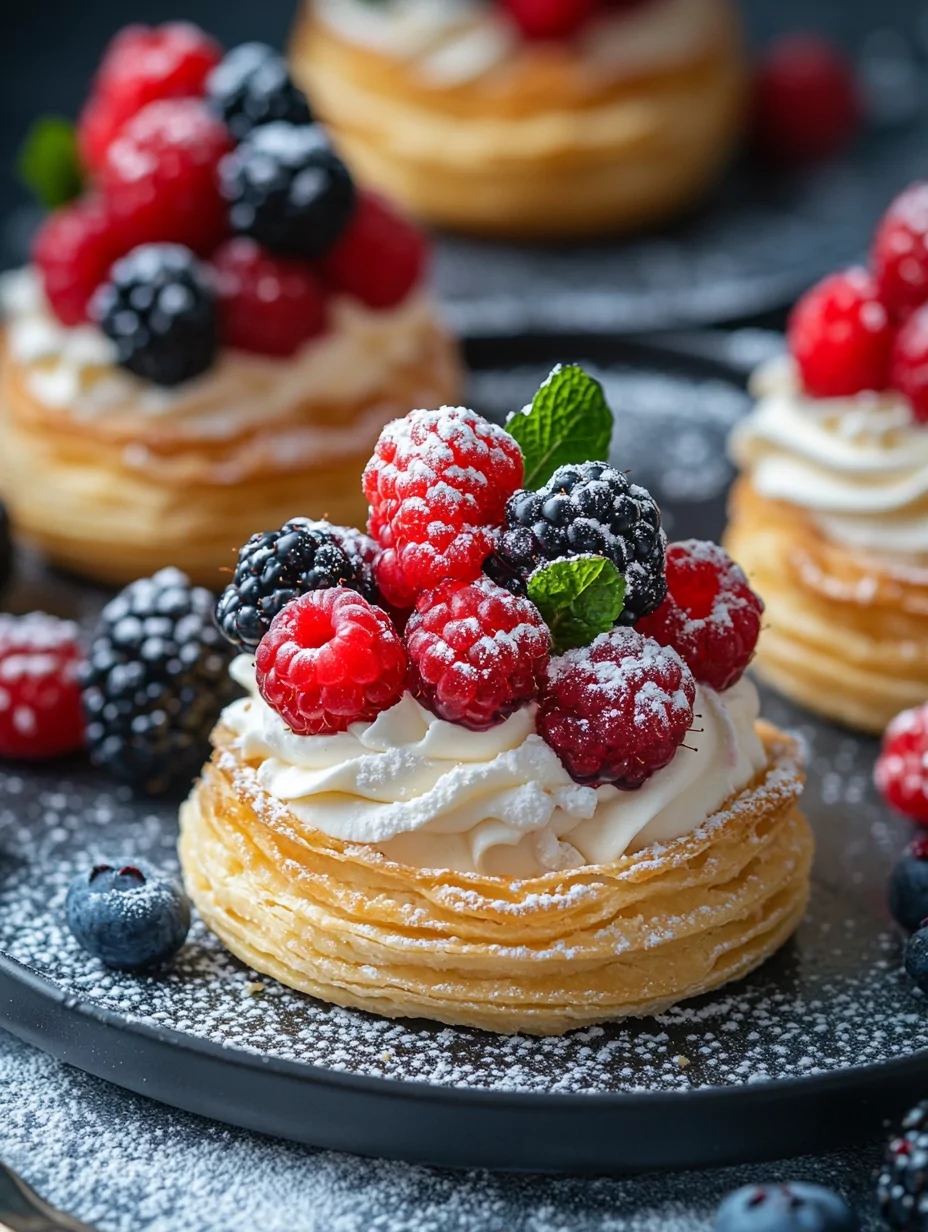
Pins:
<point x="794" y="1207"/>
<point x="127" y="915"/>
<point x="908" y="887"/>
<point x="916" y="958"/>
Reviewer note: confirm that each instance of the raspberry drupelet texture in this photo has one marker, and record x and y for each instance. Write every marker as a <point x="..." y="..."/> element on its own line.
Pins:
<point x="899" y="255"/>
<point x="902" y="768"/>
<point x="437" y="485"/>
<point x="841" y="337"/>
<point x="73" y="251"/>
<point x="40" y="697"/>
<point x="616" y="711"/>
<point x="330" y="659"/>
<point x="588" y="509"/>
<point x="908" y="371"/>
<point x="476" y="652"/>
<point x="711" y="616"/>
<point x="267" y="304"/>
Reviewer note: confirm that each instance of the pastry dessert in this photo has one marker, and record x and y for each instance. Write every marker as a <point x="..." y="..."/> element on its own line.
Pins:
<point x="518" y="119"/>
<point x="200" y="341"/>
<point x="830" y="516"/>
<point x="524" y="802"/>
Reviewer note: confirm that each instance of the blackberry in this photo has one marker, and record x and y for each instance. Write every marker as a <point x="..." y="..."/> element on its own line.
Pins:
<point x="288" y="189"/>
<point x="252" y="86"/>
<point x="6" y="549"/>
<point x="158" y="308"/>
<point x="902" y="1188"/>
<point x="361" y="550"/>
<point x="590" y="509"/>
<point x="276" y="566"/>
<point x="916" y="959"/>
<point x="155" y="682"/>
<point x="908" y="887"/>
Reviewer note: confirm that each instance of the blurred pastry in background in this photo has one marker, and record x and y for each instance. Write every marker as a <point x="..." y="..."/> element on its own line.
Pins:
<point x="215" y="332"/>
<point x="526" y="120"/>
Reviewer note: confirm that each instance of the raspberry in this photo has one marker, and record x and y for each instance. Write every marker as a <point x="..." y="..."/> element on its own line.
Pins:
<point x="73" y="251"/>
<point x="380" y="257"/>
<point x="901" y="772"/>
<point x="841" y="337"/>
<point x="267" y="304"/>
<point x="40" y="698"/>
<point x="437" y="486"/>
<point x="141" y="65"/>
<point x="908" y="370"/>
<point x="476" y="652"/>
<point x="806" y="104"/>
<point x="330" y="659"/>
<point x="616" y="711"/>
<point x="900" y="252"/>
<point x="711" y="617"/>
<point x="589" y="509"/>
<point x="161" y="175"/>
<point x="550" y="19"/>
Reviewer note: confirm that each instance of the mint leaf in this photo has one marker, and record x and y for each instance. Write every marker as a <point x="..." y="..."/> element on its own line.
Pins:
<point x="48" y="163"/>
<point x="579" y="598"/>
<point x="569" y="421"/>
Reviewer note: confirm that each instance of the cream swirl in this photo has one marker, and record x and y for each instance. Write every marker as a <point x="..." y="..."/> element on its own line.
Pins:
<point x="858" y="465"/>
<point x="434" y="795"/>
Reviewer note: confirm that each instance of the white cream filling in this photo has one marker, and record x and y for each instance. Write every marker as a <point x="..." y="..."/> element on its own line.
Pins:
<point x="435" y="795"/>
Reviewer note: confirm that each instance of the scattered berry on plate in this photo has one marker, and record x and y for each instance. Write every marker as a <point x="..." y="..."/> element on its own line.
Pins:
<point x="160" y="176"/>
<point x="379" y="258"/>
<point x="916" y="958"/>
<point x="252" y="86"/>
<point x="617" y="710"/>
<point x="40" y="697"/>
<point x="273" y="568"/>
<point x="901" y="772"/>
<point x="158" y="307"/>
<point x="899" y="254"/>
<point x="437" y="485"/>
<point x="806" y="105"/>
<point x="140" y="65"/>
<point x="73" y="251"/>
<point x="288" y="189"/>
<point x="6" y="549"/>
<point x="550" y="19"/>
<point x="127" y="915"/>
<point x="155" y="681"/>
<point x="594" y="509"/>
<point x="711" y="616"/>
<point x="791" y="1207"/>
<point x="330" y="659"/>
<point x="476" y="652"/>
<point x="841" y="337"/>
<point x="908" y="887"/>
<point x="902" y="1188"/>
<point x="909" y="366"/>
<point x="268" y="304"/>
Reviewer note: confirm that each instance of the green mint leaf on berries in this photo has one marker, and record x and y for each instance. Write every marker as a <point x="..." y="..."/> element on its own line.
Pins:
<point x="48" y="163"/>
<point x="569" y="420"/>
<point x="579" y="598"/>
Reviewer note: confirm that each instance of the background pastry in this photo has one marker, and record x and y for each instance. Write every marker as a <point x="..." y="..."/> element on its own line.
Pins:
<point x="499" y="119"/>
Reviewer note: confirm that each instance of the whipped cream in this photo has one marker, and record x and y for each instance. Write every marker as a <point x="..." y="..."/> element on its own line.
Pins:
<point x="435" y="795"/>
<point x="73" y="368"/>
<point x="857" y="465"/>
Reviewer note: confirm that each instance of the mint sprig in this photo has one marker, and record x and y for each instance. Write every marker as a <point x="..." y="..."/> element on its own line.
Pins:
<point x="569" y="420"/>
<point x="48" y="162"/>
<point x="579" y="598"/>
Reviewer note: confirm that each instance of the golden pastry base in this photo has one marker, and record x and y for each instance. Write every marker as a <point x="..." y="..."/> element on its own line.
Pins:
<point x="542" y="956"/>
<point x="845" y="636"/>
<point x="537" y="148"/>
<point x="117" y="497"/>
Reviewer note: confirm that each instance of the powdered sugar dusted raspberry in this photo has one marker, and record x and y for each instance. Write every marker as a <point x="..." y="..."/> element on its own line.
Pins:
<point x="40" y="701"/>
<point x="901" y="772"/>
<point x="909" y="365"/>
<point x="900" y="252"/>
<point x="617" y="710"/>
<point x="840" y="336"/>
<point x="437" y="485"/>
<point x="711" y="616"/>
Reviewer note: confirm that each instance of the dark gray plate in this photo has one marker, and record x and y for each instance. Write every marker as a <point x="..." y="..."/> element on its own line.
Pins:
<point x="812" y="1050"/>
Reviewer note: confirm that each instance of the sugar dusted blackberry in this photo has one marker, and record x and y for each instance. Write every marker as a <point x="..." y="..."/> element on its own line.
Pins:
<point x="902" y="1188"/>
<point x="276" y="566"/>
<point x="587" y="509"/>
<point x="361" y="551"/>
<point x="252" y="86"/>
<point x="155" y="682"/>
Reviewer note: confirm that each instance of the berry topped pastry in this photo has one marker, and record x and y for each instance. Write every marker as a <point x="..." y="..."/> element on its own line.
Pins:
<point x="830" y="516"/>
<point x="216" y="330"/>
<point x="529" y="118"/>
<point x="498" y="763"/>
